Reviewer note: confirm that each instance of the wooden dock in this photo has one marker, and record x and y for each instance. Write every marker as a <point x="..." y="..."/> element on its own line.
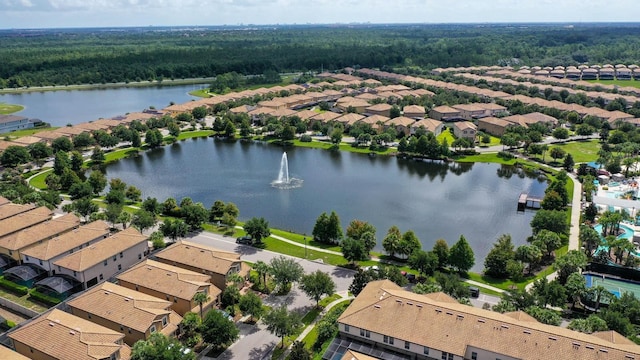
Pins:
<point x="527" y="202"/>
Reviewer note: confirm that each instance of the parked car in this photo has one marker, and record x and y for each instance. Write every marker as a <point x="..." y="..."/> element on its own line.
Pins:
<point x="474" y="292"/>
<point x="247" y="240"/>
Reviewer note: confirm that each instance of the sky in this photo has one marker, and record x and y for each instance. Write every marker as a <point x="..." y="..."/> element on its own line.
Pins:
<point x="112" y="13"/>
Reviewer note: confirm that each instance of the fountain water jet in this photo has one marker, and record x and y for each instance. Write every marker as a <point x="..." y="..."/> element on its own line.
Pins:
<point x="284" y="181"/>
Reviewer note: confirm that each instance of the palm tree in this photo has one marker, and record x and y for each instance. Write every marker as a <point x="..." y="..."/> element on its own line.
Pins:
<point x="262" y="268"/>
<point x="236" y="279"/>
<point x="600" y="293"/>
<point x="200" y="298"/>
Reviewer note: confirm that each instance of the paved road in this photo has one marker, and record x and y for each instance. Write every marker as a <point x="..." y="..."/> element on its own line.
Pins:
<point x="255" y="341"/>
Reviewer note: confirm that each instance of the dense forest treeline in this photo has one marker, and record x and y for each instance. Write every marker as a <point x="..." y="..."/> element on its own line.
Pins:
<point x="85" y="56"/>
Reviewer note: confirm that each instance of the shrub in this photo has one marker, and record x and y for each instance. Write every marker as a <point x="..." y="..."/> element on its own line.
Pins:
<point x="505" y="155"/>
<point x="305" y="138"/>
<point x="44" y="298"/>
<point x="11" y="286"/>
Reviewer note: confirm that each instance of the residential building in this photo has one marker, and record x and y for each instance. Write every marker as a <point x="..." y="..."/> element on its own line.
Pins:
<point x="491" y="109"/>
<point x="349" y="119"/>
<point x="10" y="123"/>
<point x="132" y="313"/>
<point x="401" y="124"/>
<point x="13" y="245"/>
<point x="215" y="263"/>
<point x="430" y="125"/>
<point x="48" y="252"/>
<point x="444" y="113"/>
<point x="494" y="126"/>
<point x="465" y="130"/>
<point x="436" y="326"/>
<point x="9" y="354"/>
<point x="376" y="121"/>
<point x="103" y="259"/>
<point x="382" y="109"/>
<point x="58" y="335"/>
<point x="414" y="111"/>
<point x="171" y="283"/>
<point x="356" y="105"/>
<point x="470" y="111"/>
<point x="23" y="220"/>
<point x="8" y="210"/>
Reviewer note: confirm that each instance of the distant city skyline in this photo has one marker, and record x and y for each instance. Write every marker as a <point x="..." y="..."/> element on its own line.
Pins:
<point x="115" y="13"/>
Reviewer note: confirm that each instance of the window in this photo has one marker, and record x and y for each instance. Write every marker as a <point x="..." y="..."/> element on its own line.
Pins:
<point x="175" y="299"/>
<point x="101" y="277"/>
<point x="105" y="262"/>
<point x="152" y="329"/>
<point x="115" y="257"/>
<point x="121" y="255"/>
<point x="89" y="316"/>
<point x="10" y="252"/>
<point x="451" y="357"/>
<point x="474" y="356"/>
<point x="129" y="330"/>
<point x="119" y="267"/>
<point x="388" y="340"/>
<point x="407" y="345"/>
<point x="26" y="258"/>
<point x="75" y="273"/>
<point x="40" y="261"/>
<point x="167" y="297"/>
<point x="164" y="321"/>
<point x="346" y="327"/>
<point x="137" y="289"/>
<point x="425" y="350"/>
<point x="139" y="256"/>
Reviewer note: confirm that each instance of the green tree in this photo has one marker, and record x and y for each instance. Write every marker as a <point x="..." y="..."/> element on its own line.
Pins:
<point x="408" y="244"/>
<point x="361" y="279"/>
<point x="391" y="241"/>
<point x="217" y="330"/>
<point x="495" y="264"/>
<point x="216" y="211"/>
<point x="62" y="143"/>
<point x="229" y="220"/>
<point x="194" y="215"/>
<point x="568" y="163"/>
<point x="39" y="151"/>
<point x="461" y="256"/>
<point x="15" y="155"/>
<point x="257" y="228"/>
<point x="231" y="209"/>
<point x="201" y="298"/>
<point x="557" y="153"/>
<point x="151" y="205"/>
<point x="552" y="220"/>
<point x="174" y="129"/>
<point x="153" y="138"/>
<point x="547" y="241"/>
<point x="282" y="323"/>
<point x="263" y="269"/>
<point x="529" y="254"/>
<point x="299" y="351"/>
<point x="569" y="263"/>
<point x="230" y="296"/>
<point x="97" y="155"/>
<point x="113" y="212"/>
<point x="160" y="347"/>
<point x="544" y="316"/>
<point x="199" y="113"/>
<point x="133" y="194"/>
<point x="76" y="161"/>
<point x="285" y="271"/>
<point x="575" y="286"/>
<point x="84" y="207"/>
<point x="174" y="229"/>
<point x="317" y="284"/>
<point x="560" y="133"/>
<point x="143" y="220"/>
<point x="354" y="250"/>
<point x="362" y="231"/>
<point x="589" y="325"/>
<point x="251" y="304"/>
<point x="327" y="229"/>
<point x="425" y="262"/>
<point x="441" y="249"/>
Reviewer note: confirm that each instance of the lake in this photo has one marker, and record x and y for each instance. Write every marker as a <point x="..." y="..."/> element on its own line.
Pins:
<point x="435" y="200"/>
<point x="63" y="107"/>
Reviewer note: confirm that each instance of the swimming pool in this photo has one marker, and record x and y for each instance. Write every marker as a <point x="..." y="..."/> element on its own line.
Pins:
<point x="628" y="232"/>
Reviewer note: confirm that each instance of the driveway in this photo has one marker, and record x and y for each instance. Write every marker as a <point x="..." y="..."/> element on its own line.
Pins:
<point x="255" y="342"/>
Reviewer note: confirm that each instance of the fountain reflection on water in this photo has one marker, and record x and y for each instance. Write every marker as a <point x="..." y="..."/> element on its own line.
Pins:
<point x="284" y="181"/>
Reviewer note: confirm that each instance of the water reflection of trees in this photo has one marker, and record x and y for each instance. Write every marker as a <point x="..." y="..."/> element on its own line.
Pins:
<point x="507" y="171"/>
<point x="433" y="169"/>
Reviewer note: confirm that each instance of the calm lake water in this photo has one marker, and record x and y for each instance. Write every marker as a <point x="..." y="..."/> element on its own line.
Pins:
<point x="434" y="200"/>
<point x="63" y="107"/>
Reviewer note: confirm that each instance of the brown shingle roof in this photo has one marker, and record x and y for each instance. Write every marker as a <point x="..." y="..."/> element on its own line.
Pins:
<point x="413" y="109"/>
<point x="384" y="308"/>
<point x="353" y="355"/>
<point x="428" y="124"/>
<point x="67" y="241"/>
<point x="124" y="306"/>
<point x="168" y="279"/>
<point x="8" y="354"/>
<point x="401" y="121"/>
<point x="9" y="210"/>
<point x="102" y="250"/>
<point x="40" y="232"/>
<point x="200" y="256"/>
<point x="64" y="336"/>
<point x="24" y="220"/>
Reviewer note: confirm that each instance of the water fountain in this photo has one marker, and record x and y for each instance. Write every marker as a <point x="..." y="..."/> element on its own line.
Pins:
<point x="284" y="181"/>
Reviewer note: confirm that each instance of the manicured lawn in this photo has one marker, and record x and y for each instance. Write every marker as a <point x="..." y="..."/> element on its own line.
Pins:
<point x="622" y="83"/>
<point x="120" y="154"/>
<point x="316" y="144"/>
<point x="328" y="300"/>
<point x="301" y="239"/>
<point x="6" y="109"/>
<point x="38" y="181"/>
<point x="494" y="141"/>
<point x="22" y="300"/>
<point x="194" y="134"/>
<point x="446" y="134"/>
<point x="285" y="248"/>
<point x="487" y="158"/>
<point x="581" y="151"/>
<point x="203" y="93"/>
